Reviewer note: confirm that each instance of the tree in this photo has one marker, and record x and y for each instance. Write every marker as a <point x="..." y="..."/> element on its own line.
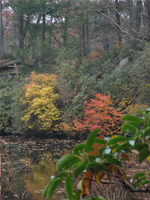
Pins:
<point x="48" y="24"/>
<point x="118" y="20"/>
<point x="139" y="14"/>
<point x="1" y="30"/>
<point x="147" y="15"/>
<point x="8" y="28"/>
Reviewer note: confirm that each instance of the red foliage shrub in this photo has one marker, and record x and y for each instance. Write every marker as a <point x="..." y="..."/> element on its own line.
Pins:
<point x="99" y="113"/>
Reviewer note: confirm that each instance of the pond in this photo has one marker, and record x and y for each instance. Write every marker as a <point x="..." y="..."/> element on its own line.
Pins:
<point x="27" y="165"/>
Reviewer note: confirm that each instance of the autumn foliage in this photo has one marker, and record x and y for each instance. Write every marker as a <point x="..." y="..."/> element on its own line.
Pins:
<point x="40" y="101"/>
<point x="99" y="113"/>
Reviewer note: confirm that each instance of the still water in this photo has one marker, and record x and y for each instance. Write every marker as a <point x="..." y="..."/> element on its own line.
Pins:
<point x="28" y="165"/>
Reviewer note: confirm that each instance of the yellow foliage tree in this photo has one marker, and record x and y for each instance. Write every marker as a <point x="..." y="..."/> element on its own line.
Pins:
<point x="40" y="101"/>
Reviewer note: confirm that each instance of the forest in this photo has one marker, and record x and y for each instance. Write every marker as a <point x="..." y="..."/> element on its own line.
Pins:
<point x="80" y="49"/>
<point x="79" y="70"/>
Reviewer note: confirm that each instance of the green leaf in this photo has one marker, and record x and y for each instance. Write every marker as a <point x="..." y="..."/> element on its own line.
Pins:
<point x="100" y="141"/>
<point x="114" y="146"/>
<point x="92" y="158"/>
<point x="92" y="165"/>
<point x="131" y="118"/>
<point x="51" y="187"/>
<point x="145" y="182"/>
<point x="46" y="189"/>
<point x="125" y="146"/>
<point x="128" y="126"/>
<point x="136" y="183"/>
<point x="79" y="169"/>
<point x="69" y="187"/>
<point x="139" y="174"/>
<point x="143" y="155"/>
<point x="116" y="140"/>
<point x="91" y="139"/>
<point x="139" y="112"/>
<point x="136" y="124"/>
<point x="79" y="148"/>
<point x="77" y="195"/>
<point x="101" y="149"/>
<point x="66" y="162"/>
<point x="62" y="175"/>
<point x="114" y="161"/>
<point x="105" y="156"/>
<point x="77" y="164"/>
<point x="148" y="122"/>
<point x="146" y="131"/>
<point x="139" y="146"/>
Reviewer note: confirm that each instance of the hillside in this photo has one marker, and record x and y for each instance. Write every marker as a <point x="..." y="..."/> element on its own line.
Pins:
<point x="122" y="73"/>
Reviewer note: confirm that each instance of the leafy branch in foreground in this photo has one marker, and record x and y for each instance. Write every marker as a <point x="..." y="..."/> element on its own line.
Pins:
<point x="100" y="158"/>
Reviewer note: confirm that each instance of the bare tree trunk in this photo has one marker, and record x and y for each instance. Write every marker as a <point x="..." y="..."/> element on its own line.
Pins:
<point x="66" y="23"/>
<point x="1" y="31"/>
<point x="83" y="38"/>
<point x="118" y="20"/>
<point x="44" y="28"/>
<point x="139" y="12"/>
<point x="50" y="33"/>
<point x="65" y="31"/>
<point x="147" y="10"/>
<point x="80" y="43"/>
<point x="87" y="33"/>
<point x="130" y="10"/>
<point x="21" y="31"/>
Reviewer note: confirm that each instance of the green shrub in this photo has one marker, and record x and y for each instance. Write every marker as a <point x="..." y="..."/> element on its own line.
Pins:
<point x="10" y="109"/>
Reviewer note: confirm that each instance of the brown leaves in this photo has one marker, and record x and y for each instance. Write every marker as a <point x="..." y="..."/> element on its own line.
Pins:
<point x="125" y="156"/>
<point x="120" y="172"/>
<point x="99" y="176"/>
<point x="85" y="182"/>
<point x="115" y="171"/>
<point x="96" y="146"/>
<point x="85" y="185"/>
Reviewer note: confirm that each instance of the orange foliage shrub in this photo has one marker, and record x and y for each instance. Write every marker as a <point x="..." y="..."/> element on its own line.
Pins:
<point x="99" y="113"/>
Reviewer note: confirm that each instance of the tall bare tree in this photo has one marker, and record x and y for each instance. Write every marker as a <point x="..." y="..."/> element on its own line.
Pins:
<point x="1" y="30"/>
<point x="118" y="20"/>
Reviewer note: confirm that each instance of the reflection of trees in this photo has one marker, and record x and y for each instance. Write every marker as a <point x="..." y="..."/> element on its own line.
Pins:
<point x="28" y="180"/>
<point x="35" y="155"/>
<point x="11" y="176"/>
<point x="27" y="167"/>
<point x="40" y="176"/>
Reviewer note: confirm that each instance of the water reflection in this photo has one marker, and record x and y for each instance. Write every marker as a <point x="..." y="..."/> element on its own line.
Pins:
<point x="39" y="176"/>
<point x="28" y="165"/>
